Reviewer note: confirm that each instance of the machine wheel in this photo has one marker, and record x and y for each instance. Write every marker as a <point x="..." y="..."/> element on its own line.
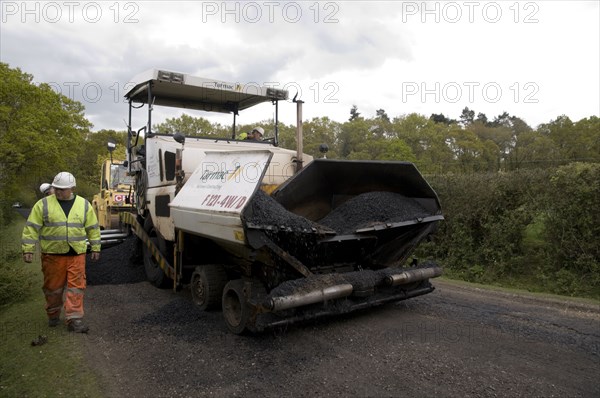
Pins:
<point x="137" y="256"/>
<point x="154" y="273"/>
<point x="207" y="285"/>
<point x="114" y="220"/>
<point x="235" y="306"/>
<point x="141" y="182"/>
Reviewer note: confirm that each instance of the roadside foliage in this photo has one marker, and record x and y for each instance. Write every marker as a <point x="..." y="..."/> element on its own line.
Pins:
<point x="533" y="229"/>
<point x="521" y="203"/>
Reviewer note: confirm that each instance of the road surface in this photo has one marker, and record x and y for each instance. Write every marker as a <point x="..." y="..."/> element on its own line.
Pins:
<point x="458" y="341"/>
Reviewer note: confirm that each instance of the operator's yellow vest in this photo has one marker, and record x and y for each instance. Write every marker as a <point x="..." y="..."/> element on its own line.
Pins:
<point x="57" y="233"/>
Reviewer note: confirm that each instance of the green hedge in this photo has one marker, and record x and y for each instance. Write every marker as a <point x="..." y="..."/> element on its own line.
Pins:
<point x="533" y="229"/>
<point x="572" y="227"/>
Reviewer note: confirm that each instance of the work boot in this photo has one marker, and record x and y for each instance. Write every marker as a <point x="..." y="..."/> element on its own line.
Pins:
<point x="77" y="326"/>
<point x="53" y="322"/>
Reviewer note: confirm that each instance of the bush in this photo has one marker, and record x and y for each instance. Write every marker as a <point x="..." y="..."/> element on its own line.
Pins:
<point x="533" y="228"/>
<point x="572" y="226"/>
<point x="486" y="215"/>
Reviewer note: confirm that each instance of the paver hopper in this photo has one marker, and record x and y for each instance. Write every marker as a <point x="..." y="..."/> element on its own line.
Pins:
<point x="338" y="233"/>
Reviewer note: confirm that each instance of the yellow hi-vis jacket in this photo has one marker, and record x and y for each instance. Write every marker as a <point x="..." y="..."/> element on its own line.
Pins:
<point x="48" y="224"/>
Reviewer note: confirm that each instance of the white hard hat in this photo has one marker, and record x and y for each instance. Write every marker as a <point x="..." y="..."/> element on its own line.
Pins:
<point x="259" y="129"/>
<point x="45" y="187"/>
<point x="64" y="180"/>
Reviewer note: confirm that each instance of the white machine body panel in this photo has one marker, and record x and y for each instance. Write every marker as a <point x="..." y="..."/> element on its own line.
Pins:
<point x="281" y="167"/>
<point x="212" y="200"/>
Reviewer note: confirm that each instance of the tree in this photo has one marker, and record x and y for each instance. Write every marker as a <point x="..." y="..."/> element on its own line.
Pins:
<point x="41" y="133"/>
<point x="383" y="149"/>
<point x="578" y="141"/>
<point x="482" y="118"/>
<point x="354" y="113"/>
<point x="426" y="139"/>
<point x="472" y="153"/>
<point x="502" y="137"/>
<point x="381" y="115"/>
<point x="501" y="120"/>
<point x="287" y="136"/>
<point x="186" y="124"/>
<point x="352" y="134"/>
<point x="321" y="131"/>
<point x="380" y="124"/>
<point x="467" y="116"/>
<point x="534" y="150"/>
<point x="588" y="133"/>
<point x="440" y="118"/>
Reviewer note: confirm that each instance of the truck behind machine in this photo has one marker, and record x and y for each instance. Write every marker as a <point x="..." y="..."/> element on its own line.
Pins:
<point x="116" y="192"/>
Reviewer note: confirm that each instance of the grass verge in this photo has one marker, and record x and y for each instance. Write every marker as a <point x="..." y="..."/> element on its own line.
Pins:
<point x="54" y="369"/>
<point x="517" y="291"/>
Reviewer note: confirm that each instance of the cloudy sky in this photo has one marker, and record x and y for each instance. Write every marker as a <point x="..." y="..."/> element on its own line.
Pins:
<point x="533" y="59"/>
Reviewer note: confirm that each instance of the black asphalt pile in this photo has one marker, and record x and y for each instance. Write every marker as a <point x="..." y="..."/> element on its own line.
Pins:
<point x="299" y="236"/>
<point x="114" y="266"/>
<point x="361" y="211"/>
<point x="293" y="233"/>
<point x="372" y="208"/>
<point x="266" y="211"/>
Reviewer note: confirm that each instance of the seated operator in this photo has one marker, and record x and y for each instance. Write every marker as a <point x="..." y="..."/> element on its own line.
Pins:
<point x="256" y="134"/>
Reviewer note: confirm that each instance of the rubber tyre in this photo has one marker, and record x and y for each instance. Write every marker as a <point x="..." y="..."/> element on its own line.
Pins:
<point x="207" y="285"/>
<point x="154" y="273"/>
<point x="141" y="182"/>
<point x="236" y="311"/>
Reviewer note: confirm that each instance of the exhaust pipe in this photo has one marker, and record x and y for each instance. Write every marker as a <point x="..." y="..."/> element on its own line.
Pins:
<point x="414" y="275"/>
<point x="121" y="235"/>
<point x="112" y="237"/>
<point x="111" y="231"/>
<point x="346" y="289"/>
<point x="401" y="295"/>
<point x="316" y="296"/>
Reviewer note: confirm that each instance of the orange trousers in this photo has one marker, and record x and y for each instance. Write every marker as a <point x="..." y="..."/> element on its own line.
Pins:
<point x="64" y="276"/>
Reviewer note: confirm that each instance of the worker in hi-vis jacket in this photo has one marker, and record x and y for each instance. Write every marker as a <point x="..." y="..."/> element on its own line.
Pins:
<point x="63" y="224"/>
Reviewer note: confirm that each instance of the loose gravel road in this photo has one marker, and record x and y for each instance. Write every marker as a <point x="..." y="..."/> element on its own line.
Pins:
<point x="458" y="341"/>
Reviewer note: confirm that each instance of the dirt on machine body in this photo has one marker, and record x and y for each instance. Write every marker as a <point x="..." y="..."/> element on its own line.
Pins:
<point x="270" y="235"/>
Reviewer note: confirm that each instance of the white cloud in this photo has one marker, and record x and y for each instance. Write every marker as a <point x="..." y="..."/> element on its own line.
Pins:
<point x="543" y="56"/>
